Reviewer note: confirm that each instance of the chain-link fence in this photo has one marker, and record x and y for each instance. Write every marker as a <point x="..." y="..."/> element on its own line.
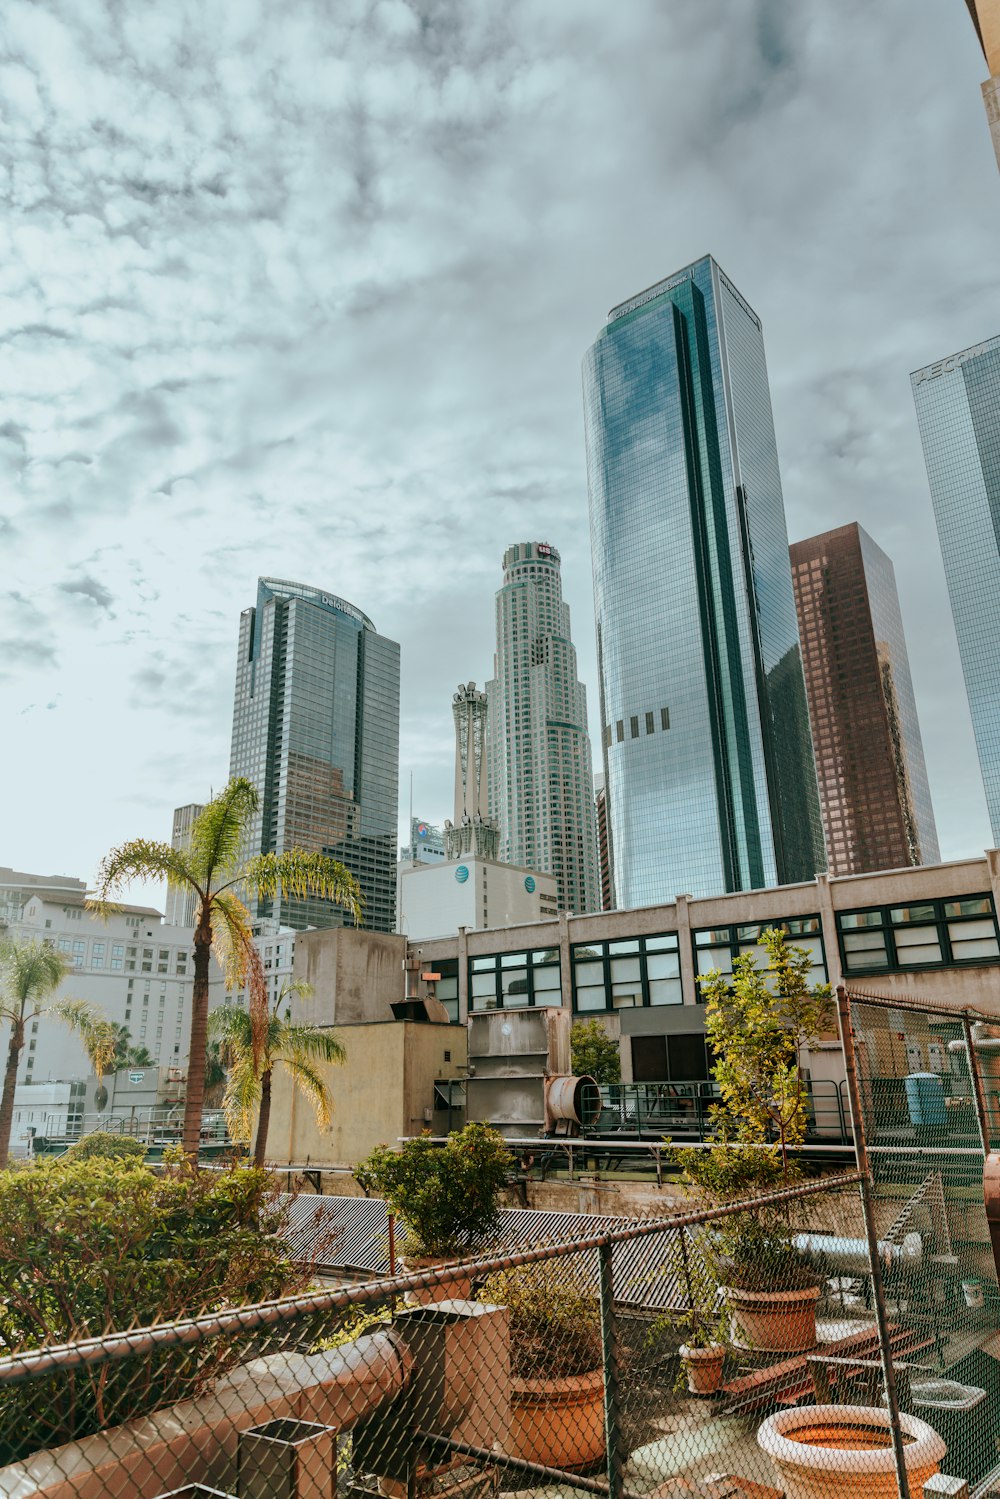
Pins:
<point x="839" y="1334"/>
<point x="929" y="1088"/>
<point x="676" y="1356"/>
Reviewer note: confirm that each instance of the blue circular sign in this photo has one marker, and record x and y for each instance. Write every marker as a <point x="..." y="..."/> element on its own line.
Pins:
<point x="461" y="874"/>
<point x="529" y="884"/>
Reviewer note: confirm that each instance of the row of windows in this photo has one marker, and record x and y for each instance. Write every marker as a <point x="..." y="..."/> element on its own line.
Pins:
<point x="930" y="934"/>
<point x="645" y="971"/>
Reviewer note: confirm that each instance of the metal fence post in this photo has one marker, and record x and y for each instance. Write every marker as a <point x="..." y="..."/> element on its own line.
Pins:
<point x="871" y="1234"/>
<point x="978" y="1091"/>
<point x="609" y="1351"/>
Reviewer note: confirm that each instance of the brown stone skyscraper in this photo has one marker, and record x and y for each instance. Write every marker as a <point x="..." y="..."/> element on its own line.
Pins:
<point x="872" y="779"/>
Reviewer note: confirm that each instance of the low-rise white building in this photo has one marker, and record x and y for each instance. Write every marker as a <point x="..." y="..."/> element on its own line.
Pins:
<point x="436" y="899"/>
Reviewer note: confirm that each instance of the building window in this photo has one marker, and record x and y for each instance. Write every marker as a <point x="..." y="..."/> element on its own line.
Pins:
<point x="507" y="981"/>
<point x="717" y="947"/>
<point x="664" y="718"/>
<point x="446" y="988"/>
<point x="927" y="934"/>
<point x="627" y="974"/>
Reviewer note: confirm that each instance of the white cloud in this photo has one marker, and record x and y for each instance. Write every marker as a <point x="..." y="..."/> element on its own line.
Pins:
<point x="304" y="290"/>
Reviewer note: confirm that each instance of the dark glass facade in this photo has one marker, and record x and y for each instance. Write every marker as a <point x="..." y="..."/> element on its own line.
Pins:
<point x="316" y="728"/>
<point x="708" y="760"/>
<point x="958" y="410"/>
<point x="873" y="787"/>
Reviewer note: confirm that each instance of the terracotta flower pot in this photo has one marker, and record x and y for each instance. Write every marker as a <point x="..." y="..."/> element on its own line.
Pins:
<point x="457" y="1287"/>
<point x="558" y="1421"/>
<point x="773" y="1321"/>
<point x="703" y="1367"/>
<point x="832" y="1451"/>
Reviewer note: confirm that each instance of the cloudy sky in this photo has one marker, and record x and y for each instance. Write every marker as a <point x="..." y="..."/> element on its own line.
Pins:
<point x="303" y="289"/>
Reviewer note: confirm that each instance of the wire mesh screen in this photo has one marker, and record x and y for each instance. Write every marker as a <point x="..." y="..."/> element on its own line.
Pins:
<point x="929" y="1082"/>
<point x="723" y="1353"/>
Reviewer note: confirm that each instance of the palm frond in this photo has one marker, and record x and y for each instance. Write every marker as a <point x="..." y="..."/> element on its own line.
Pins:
<point x="220" y="829"/>
<point x="241" y="1098"/>
<point x="299" y="873"/>
<point x="229" y="1024"/>
<point x="29" y="973"/>
<point x="311" y="1081"/>
<point x="298" y="1042"/>
<point x="241" y="961"/>
<point x="140" y="859"/>
<point x="97" y="1034"/>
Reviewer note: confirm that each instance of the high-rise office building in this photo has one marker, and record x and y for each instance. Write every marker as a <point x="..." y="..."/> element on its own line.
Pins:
<point x="474" y="831"/>
<point x="541" y="789"/>
<point x="603" y="860"/>
<point x="958" y="411"/>
<point x="316" y="728"/>
<point x="873" y="789"/>
<point x="986" y="19"/>
<point x="708" y="761"/>
<point x="181" y="900"/>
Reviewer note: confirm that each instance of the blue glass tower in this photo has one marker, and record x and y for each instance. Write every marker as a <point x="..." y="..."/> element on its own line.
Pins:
<point x="708" y="759"/>
<point x="958" y="411"/>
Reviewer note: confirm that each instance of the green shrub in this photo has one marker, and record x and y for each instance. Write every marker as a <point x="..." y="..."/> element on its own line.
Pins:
<point x="98" y="1245"/>
<point x="449" y="1195"/>
<point x="107" y="1146"/>
<point x="555" y="1321"/>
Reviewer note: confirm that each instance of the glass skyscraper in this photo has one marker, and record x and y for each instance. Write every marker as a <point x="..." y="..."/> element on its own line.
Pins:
<point x="316" y="729"/>
<point x="958" y="411"/>
<point x="708" y="760"/>
<point x="873" y="789"/>
<point x="540" y="781"/>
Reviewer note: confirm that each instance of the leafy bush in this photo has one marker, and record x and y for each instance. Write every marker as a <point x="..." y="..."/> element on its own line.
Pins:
<point x="108" y="1147"/>
<point x="555" y="1322"/>
<point x="594" y="1054"/>
<point x="92" y="1246"/>
<point x="448" y="1196"/>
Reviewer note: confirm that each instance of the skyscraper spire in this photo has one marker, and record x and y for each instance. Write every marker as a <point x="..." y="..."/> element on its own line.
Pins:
<point x="540" y="777"/>
<point x="473" y="831"/>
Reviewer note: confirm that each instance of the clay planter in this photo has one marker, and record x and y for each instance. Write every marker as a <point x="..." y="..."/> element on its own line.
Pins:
<point x="703" y="1367"/>
<point x="773" y="1321"/>
<point x="456" y="1287"/>
<point x="559" y="1422"/>
<point x="835" y="1451"/>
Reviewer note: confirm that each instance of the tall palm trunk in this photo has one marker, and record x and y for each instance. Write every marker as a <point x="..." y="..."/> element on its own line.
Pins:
<point x="194" y="1099"/>
<point x="9" y="1084"/>
<point x="263" y="1119"/>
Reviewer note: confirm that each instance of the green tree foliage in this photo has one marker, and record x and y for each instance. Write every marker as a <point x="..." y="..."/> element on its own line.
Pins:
<point x="758" y="1024"/>
<point x="555" y="1320"/>
<point x="216" y="868"/>
<point x="103" y="1144"/>
<point x="91" y="1246"/>
<point x="593" y="1052"/>
<point x="449" y="1195"/>
<point x="30" y="973"/>
<point x="758" y="1021"/>
<point x="302" y="1049"/>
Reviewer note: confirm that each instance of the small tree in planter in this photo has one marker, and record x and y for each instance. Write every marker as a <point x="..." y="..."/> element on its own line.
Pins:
<point x="759" y="1023"/>
<point x="448" y="1196"/>
<point x="557" y="1374"/>
<point x="593" y="1052"/>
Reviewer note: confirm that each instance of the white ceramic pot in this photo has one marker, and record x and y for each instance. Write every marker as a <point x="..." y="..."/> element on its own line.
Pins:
<point x="835" y="1451"/>
<point x="773" y="1321"/>
<point x="703" y="1367"/>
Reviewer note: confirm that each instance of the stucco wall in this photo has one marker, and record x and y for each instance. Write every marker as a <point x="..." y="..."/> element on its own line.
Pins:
<point x="355" y="975"/>
<point x="379" y="1094"/>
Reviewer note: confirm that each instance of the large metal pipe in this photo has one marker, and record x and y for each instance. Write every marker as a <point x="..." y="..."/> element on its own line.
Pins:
<point x="851" y="1255"/>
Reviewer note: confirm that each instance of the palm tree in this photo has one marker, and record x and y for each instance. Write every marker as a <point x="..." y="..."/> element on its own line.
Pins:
<point x="216" y="868"/>
<point x="29" y="973"/>
<point x="127" y="1053"/>
<point x="300" y="1048"/>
